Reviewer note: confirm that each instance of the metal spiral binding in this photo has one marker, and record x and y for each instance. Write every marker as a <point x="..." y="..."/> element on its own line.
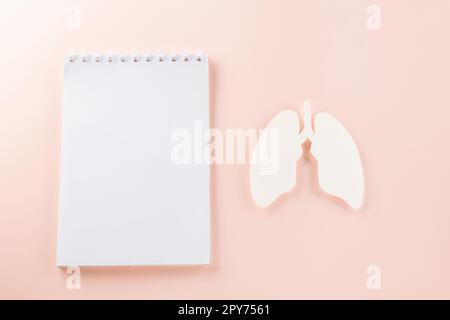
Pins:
<point x="136" y="58"/>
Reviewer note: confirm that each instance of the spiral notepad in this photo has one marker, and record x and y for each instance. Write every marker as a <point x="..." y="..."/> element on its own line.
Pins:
<point x="123" y="200"/>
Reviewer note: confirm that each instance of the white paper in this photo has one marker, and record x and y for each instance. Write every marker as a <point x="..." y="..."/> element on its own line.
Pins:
<point x="122" y="199"/>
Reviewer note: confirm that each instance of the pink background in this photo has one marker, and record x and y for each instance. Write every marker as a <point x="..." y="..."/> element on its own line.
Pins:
<point x="390" y="88"/>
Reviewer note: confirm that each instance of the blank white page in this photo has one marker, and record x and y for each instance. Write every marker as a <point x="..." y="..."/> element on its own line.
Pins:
<point x="122" y="199"/>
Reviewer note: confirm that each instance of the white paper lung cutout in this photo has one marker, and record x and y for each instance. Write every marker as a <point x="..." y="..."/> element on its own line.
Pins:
<point x="339" y="164"/>
<point x="270" y="179"/>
